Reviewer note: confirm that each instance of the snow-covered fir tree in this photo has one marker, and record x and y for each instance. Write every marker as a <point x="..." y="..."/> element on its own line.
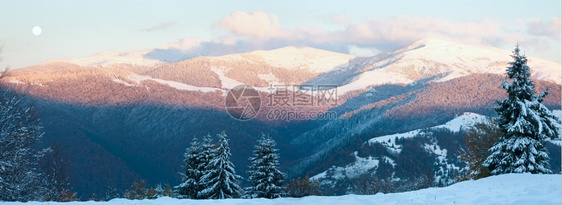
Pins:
<point x="525" y="124"/>
<point x="190" y="185"/>
<point x="19" y="130"/>
<point x="220" y="179"/>
<point x="263" y="172"/>
<point x="206" y="155"/>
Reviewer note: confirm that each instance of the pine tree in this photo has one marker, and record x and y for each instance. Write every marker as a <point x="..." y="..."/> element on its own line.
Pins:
<point x="207" y="154"/>
<point x="190" y="185"/>
<point x="525" y="124"/>
<point x="19" y="130"/>
<point x="220" y="179"/>
<point x="264" y="175"/>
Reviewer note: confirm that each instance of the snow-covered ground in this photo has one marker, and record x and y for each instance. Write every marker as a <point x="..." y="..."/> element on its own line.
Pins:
<point x="180" y="86"/>
<point x="362" y="165"/>
<point x="503" y="189"/>
<point x="467" y="119"/>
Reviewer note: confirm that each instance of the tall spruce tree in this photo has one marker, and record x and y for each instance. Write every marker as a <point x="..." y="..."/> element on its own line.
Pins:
<point x="264" y="175"/>
<point x="207" y="154"/>
<point x="220" y="178"/>
<point x="190" y="185"/>
<point x="525" y="124"/>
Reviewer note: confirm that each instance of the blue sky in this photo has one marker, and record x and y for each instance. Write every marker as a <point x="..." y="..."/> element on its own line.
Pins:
<point x="75" y="29"/>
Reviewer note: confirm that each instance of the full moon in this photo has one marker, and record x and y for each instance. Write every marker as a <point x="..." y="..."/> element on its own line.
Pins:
<point x="36" y="30"/>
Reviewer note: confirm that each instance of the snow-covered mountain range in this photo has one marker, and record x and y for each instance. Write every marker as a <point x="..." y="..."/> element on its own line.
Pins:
<point x="441" y="61"/>
<point x="434" y="59"/>
<point x="106" y="101"/>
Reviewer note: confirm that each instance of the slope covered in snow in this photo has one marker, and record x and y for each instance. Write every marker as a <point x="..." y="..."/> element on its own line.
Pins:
<point x="441" y="60"/>
<point x="465" y="120"/>
<point x="312" y="59"/>
<point x="434" y="59"/>
<point x="503" y="189"/>
<point x="362" y="165"/>
<point x="173" y="84"/>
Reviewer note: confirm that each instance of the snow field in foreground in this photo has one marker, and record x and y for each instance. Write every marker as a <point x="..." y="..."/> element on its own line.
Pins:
<point x="503" y="189"/>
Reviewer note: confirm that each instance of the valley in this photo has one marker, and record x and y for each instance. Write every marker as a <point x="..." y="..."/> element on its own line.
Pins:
<point x="114" y="112"/>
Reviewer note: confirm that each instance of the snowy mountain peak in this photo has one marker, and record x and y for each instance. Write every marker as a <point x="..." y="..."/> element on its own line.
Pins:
<point x="436" y="59"/>
<point x="298" y="51"/>
<point x="291" y="57"/>
<point x="440" y="60"/>
<point x="432" y="42"/>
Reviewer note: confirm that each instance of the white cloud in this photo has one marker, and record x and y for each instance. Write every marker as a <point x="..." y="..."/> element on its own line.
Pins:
<point x="551" y="29"/>
<point x="381" y="34"/>
<point x="399" y="31"/>
<point x="257" y="24"/>
<point x="243" y="32"/>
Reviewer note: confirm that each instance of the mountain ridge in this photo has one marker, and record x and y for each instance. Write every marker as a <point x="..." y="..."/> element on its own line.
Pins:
<point x="430" y="58"/>
<point x="143" y="108"/>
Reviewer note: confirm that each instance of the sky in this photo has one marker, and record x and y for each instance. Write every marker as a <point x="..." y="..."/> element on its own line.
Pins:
<point x="76" y="29"/>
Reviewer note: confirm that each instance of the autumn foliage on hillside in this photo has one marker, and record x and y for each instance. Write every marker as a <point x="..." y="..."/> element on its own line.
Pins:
<point x="98" y="86"/>
<point x="194" y="72"/>
<point x="471" y="93"/>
